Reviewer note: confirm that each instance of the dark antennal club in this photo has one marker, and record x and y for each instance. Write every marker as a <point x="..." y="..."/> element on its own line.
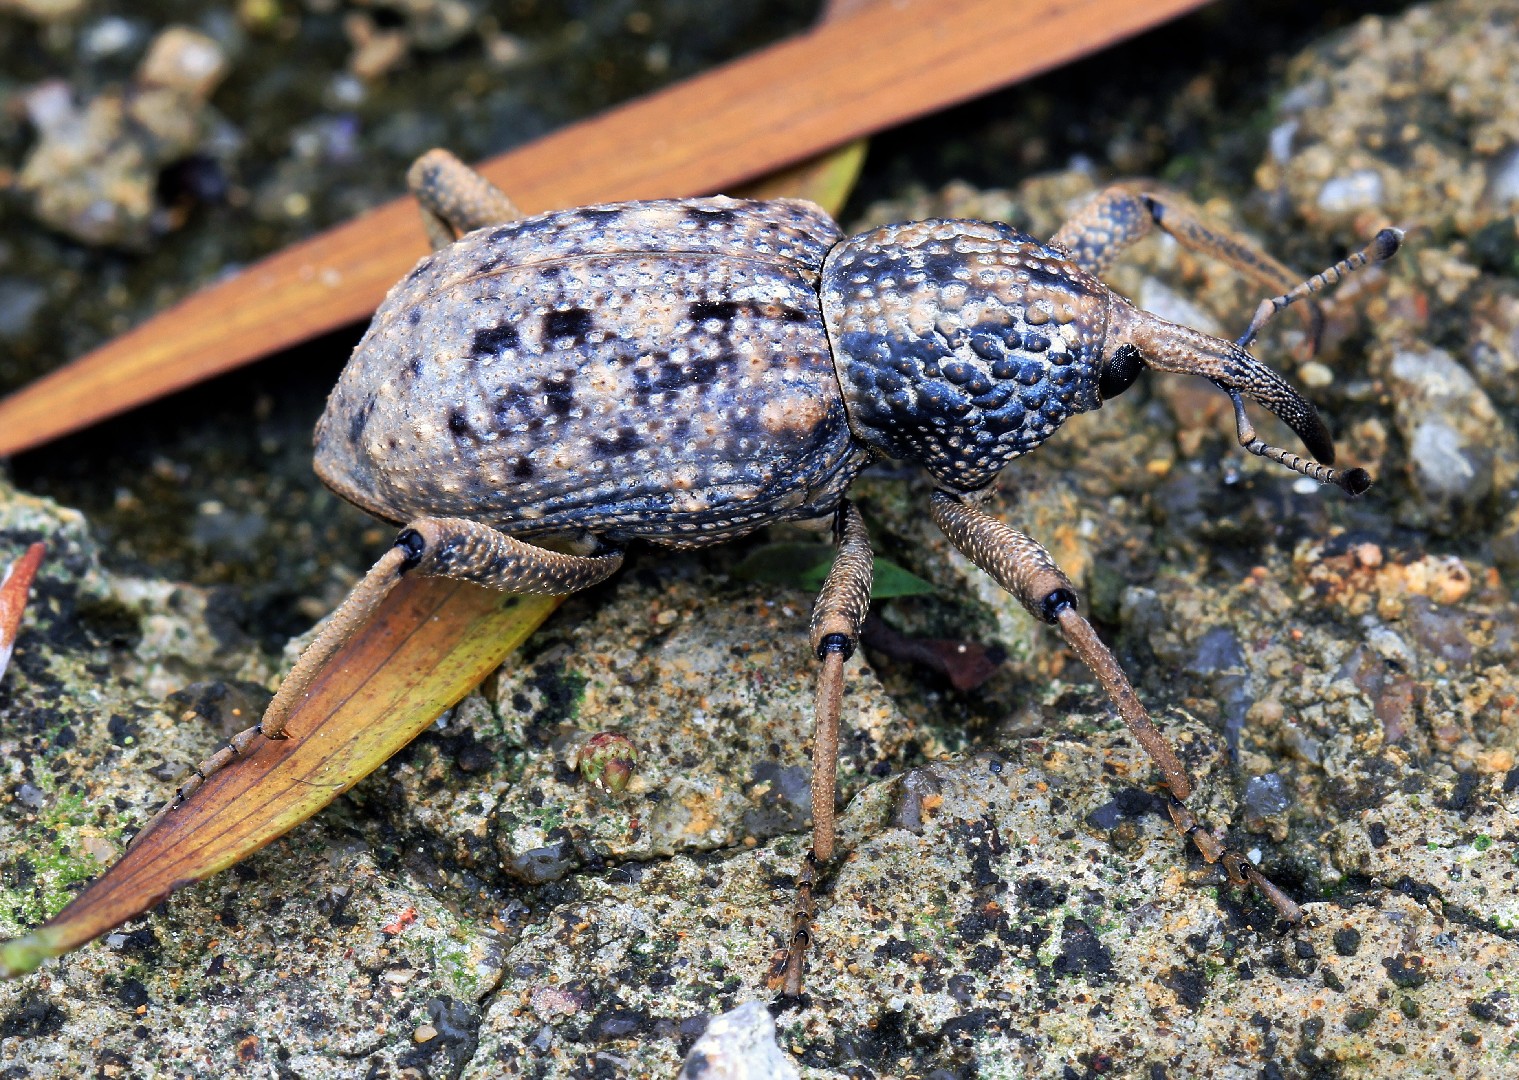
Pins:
<point x="1351" y="481"/>
<point x="1383" y="246"/>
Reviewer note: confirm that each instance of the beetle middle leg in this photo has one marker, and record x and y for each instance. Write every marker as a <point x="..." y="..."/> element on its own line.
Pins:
<point x="837" y="615"/>
<point x="1022" y="567"/>
<point x="433" y="547"/>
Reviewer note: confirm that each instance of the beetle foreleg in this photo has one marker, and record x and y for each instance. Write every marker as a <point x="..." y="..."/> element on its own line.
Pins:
<point x="1022" y="567"/>
<point x="1122" y="214"/>
<point x="836" y="619"/>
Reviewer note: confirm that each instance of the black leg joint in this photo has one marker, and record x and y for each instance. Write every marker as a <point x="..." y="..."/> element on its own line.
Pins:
<point x="1056" y="602"/>
<point x="836" y="643"/>
<point x="410" y="541"/>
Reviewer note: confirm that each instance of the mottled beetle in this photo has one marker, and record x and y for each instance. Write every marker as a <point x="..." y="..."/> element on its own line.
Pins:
<point x="686" y="371"/>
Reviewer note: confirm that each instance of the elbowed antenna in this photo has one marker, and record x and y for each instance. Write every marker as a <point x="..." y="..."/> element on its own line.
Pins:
<point x="1352" y="482"/>
<point x="1167" y="346"/>
<point x="1383" y="246"/>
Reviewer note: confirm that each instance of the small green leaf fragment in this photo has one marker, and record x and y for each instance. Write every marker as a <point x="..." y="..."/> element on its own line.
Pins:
<point x="785" y="564"/>
<point x="804" y="566"/>
<point x="889" y="580"/>
<point x="25" y="954"/>
<point x="892" y="580"/>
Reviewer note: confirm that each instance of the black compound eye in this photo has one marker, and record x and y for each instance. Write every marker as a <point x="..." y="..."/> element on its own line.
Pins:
<point x="1119" y="372"/>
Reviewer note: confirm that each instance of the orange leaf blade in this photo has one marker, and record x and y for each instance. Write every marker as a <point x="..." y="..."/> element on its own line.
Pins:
<point x="15" y="587"/>
<point x="429" y="644"/>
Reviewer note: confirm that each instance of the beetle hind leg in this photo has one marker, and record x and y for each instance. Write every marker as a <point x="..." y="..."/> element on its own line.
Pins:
<point x="455" y="199"/>
<point x="1022" y="567"/>
<point x="433" y="547"/>
<point x="439" y="547"/>
<point x="835" y="632"/>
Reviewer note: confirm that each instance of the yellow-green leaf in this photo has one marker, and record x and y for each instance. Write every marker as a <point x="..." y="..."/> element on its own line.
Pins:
<point x="826" y="179"/>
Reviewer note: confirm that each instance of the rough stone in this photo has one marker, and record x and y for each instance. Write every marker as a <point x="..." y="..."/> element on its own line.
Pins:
<point x="1459" y="448"/>
<point x="739" y="1045"/>
<point x="94" y="172"/>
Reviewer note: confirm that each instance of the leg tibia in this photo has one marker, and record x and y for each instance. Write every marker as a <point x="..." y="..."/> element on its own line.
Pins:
<point x="836" y="618"/>
<point x="352" y="613"/>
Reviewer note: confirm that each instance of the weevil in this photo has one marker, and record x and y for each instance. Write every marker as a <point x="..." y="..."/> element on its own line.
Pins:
<point x="542" y="391"/>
